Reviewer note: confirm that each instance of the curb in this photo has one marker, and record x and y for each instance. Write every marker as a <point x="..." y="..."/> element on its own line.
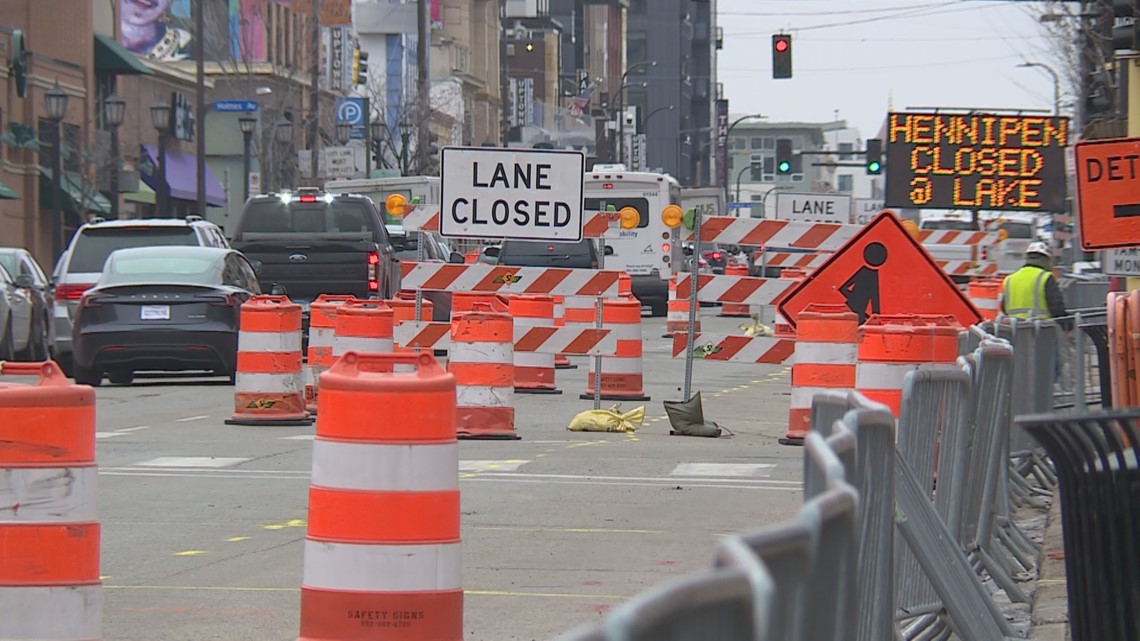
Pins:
<point x="1050" y="612"/>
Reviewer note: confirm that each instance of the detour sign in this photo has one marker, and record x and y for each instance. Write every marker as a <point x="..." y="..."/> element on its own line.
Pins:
<point x="1108" y="192"/>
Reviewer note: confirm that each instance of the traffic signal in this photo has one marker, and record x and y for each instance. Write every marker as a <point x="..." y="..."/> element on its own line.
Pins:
<point x="783" y="156"/>
<point x="875" y="156"/>
<point x="18" y="67"/>
<point x="781" y="55"/>
<point x="359" y="67"/>
<point x="1127" y="36"/>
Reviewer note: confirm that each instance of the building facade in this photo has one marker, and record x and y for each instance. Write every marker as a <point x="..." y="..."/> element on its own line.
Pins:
<point x="752" y="162"/>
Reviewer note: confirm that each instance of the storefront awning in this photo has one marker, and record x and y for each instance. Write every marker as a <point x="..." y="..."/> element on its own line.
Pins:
<point x="78" y="194"/>
<point x="111" y="57"/>
<point x="144" y="195"/>
<point x="181" y="176"/>
<point x="6" y="193"/>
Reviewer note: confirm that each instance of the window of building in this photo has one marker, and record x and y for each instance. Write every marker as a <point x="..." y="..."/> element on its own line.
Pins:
<point x="638" y="6"/>
<point x="636" y="48"/>
<point x="756" y="142"/>
<point x="72" y="148"/>
<point x="797" y="178"/>
<point x="739" y="142"/>
<point x="845" y="149"/>
<point x="769" y="143"/>
<point x="845" y="183"/>
<point x="769" y="167"/>
<point x="756" y="173"/>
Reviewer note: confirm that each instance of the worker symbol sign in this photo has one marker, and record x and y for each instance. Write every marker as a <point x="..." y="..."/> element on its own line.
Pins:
<point x="882" y="270"/>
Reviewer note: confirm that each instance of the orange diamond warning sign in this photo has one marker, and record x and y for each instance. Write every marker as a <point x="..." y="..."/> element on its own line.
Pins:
<point x="882" y="270"/>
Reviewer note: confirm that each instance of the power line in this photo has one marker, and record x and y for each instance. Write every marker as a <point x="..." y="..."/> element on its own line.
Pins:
<point x="778" y="14"/>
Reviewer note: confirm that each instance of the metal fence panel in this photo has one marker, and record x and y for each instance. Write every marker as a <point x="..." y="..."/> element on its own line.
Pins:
<point x="831" y="583"/>
<point x="786" y="550"/>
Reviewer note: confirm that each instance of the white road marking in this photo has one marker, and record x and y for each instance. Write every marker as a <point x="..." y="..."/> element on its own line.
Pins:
<point x="192" y="461"/>
<point x="134" y="429"/>
<point x="191" y="418"/>
<point x="492" y="466"/>
<point x="721" y="469"/>
<point x="101" y="435"/>
<point x="299" y="437"/>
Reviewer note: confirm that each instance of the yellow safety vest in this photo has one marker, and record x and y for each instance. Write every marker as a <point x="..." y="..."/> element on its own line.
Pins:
<point x="1025" y="293"/>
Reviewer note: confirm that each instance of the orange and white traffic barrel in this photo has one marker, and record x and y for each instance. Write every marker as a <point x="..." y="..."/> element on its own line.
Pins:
<point x="827" y="341"/>
<point x="891" y="346"/>
<point x="985" y="294"/>
<point x="470" y="301"/>
<point x="677" y="312"/>
<point x="561" y="361"/>
<point x="625" y="285"/>
<point x="621" y="377"/>
<point x="534" y="371"/>
<point x="482" y="360"/>
<point x="49" y="526"/>
<point x="363" y="326"/>
<point x="322" y="328"/>
<point x="781" y="326"/>
<point x="269" y="387"/>
<point x="383" y="555"/>
<point x="735" y="310"/>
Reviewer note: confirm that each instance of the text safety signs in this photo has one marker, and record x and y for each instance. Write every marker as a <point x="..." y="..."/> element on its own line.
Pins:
<point x="516" y="194"/>
<point x="882" y="270"/>
<point x="1108" y="192"/>
<point x="976" y="161"/>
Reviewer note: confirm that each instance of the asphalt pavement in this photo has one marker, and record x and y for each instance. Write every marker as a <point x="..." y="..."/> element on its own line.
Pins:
<point x="203" y="522"/>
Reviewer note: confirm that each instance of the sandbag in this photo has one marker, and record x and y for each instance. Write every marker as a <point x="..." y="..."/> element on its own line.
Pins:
<point x="611" y="420"/>
<point x="688" y="418"/>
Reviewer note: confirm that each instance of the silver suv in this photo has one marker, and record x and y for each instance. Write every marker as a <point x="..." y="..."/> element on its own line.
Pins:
<point x="81" y="263"/>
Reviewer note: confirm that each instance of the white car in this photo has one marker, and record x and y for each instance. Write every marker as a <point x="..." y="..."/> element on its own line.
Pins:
<point x="26" y="335"/>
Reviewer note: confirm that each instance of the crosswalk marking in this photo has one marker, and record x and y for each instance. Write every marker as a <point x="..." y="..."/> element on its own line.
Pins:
<point x="511" y="465"/>
<point x="722" y="469"/>
<point x="299" y="437"/>
<point x="102" y="435"/>
<point x="192" y="461"/>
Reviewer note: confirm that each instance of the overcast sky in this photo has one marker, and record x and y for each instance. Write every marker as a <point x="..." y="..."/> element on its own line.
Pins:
<point x="858" y="57"/>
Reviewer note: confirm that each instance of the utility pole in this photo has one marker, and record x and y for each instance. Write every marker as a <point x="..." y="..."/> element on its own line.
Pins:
<point x="423" y="84"/>
<point x="200" y="107"/>
<point x="315" y="97"/>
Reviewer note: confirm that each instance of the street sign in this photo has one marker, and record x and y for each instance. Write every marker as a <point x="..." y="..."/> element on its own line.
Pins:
<point x="518" y="194"/>
<point x="352" y="111"/>
<point x="882" y="270"/>
<point x="976" y="161"/>
<point x="340" y="162"/>
<point x="1121" y="262"/>
<point x="740" y="205"/>
<point x="813" y="208"/>
<point x="864" y="209"/>
<point x="1108" y="192"/>
<point x="235" y="106"/>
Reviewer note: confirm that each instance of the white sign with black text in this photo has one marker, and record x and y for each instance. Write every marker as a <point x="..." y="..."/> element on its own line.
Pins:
<point x="517" y="194"/>
<point x="813" y="208"/>
<point x="864" y="209"/>
<point x="1121" y="262"/>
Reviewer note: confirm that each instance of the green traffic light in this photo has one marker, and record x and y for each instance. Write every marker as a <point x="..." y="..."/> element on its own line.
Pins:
<point x="784" y="167"/>
<point x="874" y="167"/>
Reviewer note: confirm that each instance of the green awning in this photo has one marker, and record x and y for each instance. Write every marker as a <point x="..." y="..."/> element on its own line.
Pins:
<point x="111" y="57"/>
<point x="78" y="194"/>
<point x="6" y="193"/>
<point x="144" y="195"/>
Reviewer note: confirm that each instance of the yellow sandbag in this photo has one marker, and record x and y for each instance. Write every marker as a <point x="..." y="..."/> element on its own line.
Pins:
<point x="756" y="328"/>
<point x="611" y="420"/>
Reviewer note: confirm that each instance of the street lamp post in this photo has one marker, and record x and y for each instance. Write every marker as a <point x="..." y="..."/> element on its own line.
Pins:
<point x="343" y="131"/>
<point x="405" y="136"/>
<point x="728" y="135"/>
<point x="282" y="135"/>
<point x="378" y="133"/>
<point x="740" y="173"/>
<point x="1056" y="84"/>
<point x="55" y="105"/>
<point x="160" y="118"/>
<point x="114" y="110"/>
<point x="247" y="124"/>
<point x="621" y="122"/>
<point x="764" y="199"/>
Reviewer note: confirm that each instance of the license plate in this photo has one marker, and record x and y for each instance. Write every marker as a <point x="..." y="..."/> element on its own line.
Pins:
<point x="154" y="312"/>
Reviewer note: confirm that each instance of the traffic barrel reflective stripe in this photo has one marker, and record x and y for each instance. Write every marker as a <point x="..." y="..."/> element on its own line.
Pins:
<point x="383" y="554"/>
<point x="677" y="312"/>
<point x="891" y="346"/>
<point x="534" y="371"/>
<point x="269" y="387"/>
<point x="561" y="361"/>
<point x="621" y="377"/>
<point x="827" y="338"/>
<point x="49" y="527"/>
<point x="482" y="360"/>
<point x="363" y="326"/>
<point x="985" y="294"/>
<point x="735" y="310"/>
<point x="322" y="329"/>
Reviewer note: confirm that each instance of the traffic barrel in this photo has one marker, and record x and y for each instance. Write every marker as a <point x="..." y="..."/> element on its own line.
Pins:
<point x="561" y="361"/>
<point x="470" y="301"/>
<point x="404" y="309"/>
<point x="780" y="325"/>
<point x="534" y="371"/>
<point x="482" y="360"/>
<point x="677" y="312"/>
<point x="322" y="329"/>
<point x="735" y="310"/>
<point x="827" y="341"/>
<point x="383" y="554"/>
<point x="269" y="387"/>
<point x="985" y="294"/>
<point x="625" y="285"/>
<point x="49" y="527"/>
<point x="363" y="326"/>
<point x="890" y="346"/>
<point x="621" y="377"/>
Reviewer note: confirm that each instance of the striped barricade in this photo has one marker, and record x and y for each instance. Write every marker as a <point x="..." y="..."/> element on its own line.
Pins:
<point x="732" y="348"/>
<point x="775" y="233"/>
<point x="952" y="237"/>
<point x="420" y="218"/>
<point x="423" y="334"/>
<point x="745" y="290"/>
<point x="538" y="339"/>
<point x="501" y="279"/>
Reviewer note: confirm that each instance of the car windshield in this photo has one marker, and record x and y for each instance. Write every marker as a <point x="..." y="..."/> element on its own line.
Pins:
<point x="640" y="204"/>
<point x="948" y="225"/>
<point x="405" y="245"/>
<point x="94" y="245"/>
<point x="187" y="270"/>
<point x="11" y="262"/>
<point x="537" y="254"/>
<point x="1019" y="230"/>
<point x="335" y="218"/>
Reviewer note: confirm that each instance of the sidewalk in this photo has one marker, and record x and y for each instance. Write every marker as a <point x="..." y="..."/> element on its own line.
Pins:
<point x="1050" y="618"/>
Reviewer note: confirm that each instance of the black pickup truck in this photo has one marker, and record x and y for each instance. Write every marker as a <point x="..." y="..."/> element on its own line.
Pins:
<point x="312" y="243"/>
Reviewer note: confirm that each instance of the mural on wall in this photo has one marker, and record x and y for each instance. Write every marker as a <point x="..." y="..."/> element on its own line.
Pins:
<point x="162" y="30"/>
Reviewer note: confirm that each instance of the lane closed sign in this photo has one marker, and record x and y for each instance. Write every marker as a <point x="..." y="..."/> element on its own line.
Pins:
<point x="516" y="194"/>
<point x="813" y="208"/>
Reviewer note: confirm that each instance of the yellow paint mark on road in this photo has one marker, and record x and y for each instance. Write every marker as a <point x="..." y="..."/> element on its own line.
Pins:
<point x="237" y="588"/>
<point x="585" y="444"/>
<point x="287" y="524"/>
<point x="468" y="475"/>
<point x="191" y="553"/>
<point x="104" y="577"/>
<point x="236" y="539"/>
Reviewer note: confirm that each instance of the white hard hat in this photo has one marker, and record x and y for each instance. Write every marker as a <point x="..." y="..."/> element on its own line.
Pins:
<point x="1037" y="247"/>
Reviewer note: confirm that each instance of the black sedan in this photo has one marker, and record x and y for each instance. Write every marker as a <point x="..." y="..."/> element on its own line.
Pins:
<point x="162" y="309"/>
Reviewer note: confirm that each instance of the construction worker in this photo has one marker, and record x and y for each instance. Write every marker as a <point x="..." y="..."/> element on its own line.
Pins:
<point x="1032" y="292"/>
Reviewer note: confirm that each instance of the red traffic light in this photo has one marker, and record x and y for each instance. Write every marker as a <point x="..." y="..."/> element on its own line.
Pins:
<point x="781" y="45"/>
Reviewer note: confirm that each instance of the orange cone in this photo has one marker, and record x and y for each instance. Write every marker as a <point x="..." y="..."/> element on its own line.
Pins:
<point x="363" y="326"/>
<point x="677" y="312"/>
<point x="621" y="378"/>
<point x="482" y="360"/>
<point x="534" y="372"/>
<point x="269" y="389"/>
<point x="827" y="338"/>
<point x="383" y="554"/>
<point x="561" y="361"/>
<point x="322" y="328"/>
<point x="985" y="294"/>
<point x="891" y="346"/>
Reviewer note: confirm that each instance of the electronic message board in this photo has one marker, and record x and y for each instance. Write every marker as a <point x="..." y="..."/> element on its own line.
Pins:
<point x="976" y="161"/>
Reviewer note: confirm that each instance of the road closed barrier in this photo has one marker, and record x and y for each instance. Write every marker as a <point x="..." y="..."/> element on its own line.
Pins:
<point x="383" y="554"/>
<point x="49" y="529"/>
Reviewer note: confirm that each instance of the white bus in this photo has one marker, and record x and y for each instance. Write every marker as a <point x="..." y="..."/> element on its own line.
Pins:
<point x="646" y="253"/>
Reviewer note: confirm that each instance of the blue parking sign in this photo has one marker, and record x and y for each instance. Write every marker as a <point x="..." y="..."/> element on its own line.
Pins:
<point x="351" y="110"/>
